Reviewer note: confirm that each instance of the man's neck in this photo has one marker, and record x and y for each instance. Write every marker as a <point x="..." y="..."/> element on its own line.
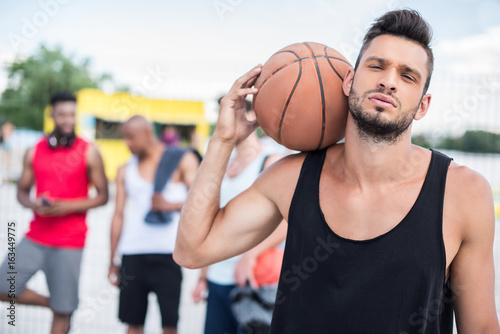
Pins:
<point x="152" y="151"/>
<point x="369" y="163"/>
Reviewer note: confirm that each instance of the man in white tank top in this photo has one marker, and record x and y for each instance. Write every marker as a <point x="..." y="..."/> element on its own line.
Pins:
<point x="146" y="248"/>
<point x="250" y="157"/>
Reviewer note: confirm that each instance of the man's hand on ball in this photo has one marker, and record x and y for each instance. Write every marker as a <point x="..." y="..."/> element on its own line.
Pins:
<point x="233" y="124"/>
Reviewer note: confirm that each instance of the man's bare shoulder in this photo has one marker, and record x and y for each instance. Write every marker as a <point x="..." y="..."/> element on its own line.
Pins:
<point x="469" y="198"/>
<point x="120" y="173"/>
<point x="271" y="159"/>
<point x="466" y="182"/>
<point x="284" y="168"/>
<point x="189" y="159"/>
<point x="29" y="154"/>
<point x="93" y="156"/>
<point x="278" y="181"/>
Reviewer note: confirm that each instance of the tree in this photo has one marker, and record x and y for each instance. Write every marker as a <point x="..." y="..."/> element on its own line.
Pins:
<point x="481" y="141"/>
<point x="421" y="140"/>
<point x="476" y="141"/>
<point x="33" y="80"/>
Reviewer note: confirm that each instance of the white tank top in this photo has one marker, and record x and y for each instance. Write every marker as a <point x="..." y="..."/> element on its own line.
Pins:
<point x="222" y="273"/>
<point x="138" y="236"/>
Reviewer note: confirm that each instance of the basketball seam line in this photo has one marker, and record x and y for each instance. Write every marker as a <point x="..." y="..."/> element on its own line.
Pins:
<point x="293" y="62"/>
<point x="314" y="56"/>
<point x="287" y="103"/>
<point x="331" y="65"/>
<point x="322" y="90"/>
<point x="281" y="67"/>
<point x="318" y="56"/>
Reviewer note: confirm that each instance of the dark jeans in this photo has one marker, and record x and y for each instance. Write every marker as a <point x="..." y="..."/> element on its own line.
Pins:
<point x="220" y="318"/>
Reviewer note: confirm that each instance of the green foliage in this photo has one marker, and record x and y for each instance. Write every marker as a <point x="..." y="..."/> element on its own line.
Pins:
<point x="421" y="140"/>
<point x="451" y="143"/>
<point x="481" y="141"/>
<point x="33" y="80"/>
<point x="476" y="141"/>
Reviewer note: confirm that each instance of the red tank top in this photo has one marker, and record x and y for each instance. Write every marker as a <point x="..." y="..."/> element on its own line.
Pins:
<point x="60" y="174"/>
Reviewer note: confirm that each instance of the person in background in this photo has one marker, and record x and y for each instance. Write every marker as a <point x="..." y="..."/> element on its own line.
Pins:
<point x="146" y="247"/>
<point x="61" y="166"/>
<point x="170" y="136"/>
<point x="5" y="136"/>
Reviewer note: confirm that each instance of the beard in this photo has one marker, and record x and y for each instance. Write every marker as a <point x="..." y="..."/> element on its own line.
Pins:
<point x="375" y="128"/>
<point x="64" y="138"/>
<point x="59" y="132"/>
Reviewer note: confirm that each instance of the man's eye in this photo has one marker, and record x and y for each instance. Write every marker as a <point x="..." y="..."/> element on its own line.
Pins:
<point x="378" y="67"/>
<point x="409" y="77"/>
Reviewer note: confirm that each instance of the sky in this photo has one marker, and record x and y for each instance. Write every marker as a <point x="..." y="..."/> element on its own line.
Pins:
<point x="195" y="50"/>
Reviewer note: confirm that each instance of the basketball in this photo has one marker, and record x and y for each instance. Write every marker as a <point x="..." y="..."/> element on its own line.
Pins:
<point x="300" y="102"/>
<point x="268" y="267"/>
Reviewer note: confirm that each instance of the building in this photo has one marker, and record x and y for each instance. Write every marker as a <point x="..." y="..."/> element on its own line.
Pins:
<point x="100" y="116"/>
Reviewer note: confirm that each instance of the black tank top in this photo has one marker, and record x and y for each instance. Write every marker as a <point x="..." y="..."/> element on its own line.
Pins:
<point x="394" y="283"/>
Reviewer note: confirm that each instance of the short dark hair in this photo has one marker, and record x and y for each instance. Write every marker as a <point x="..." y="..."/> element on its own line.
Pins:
<point x="62" y="97"/>
<point x="407" y="24"/>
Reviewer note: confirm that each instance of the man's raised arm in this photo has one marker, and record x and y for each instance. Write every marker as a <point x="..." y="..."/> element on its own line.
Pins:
<point x="208" y="233"/>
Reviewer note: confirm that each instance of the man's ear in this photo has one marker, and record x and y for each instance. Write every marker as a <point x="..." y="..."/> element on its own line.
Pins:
<point x="348" y="79"/>
<point x="423" y="107"/>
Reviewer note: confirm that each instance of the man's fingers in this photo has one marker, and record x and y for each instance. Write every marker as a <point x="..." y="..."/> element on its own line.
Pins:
<point x="253" y="281"/>
<point x="196" y="297"/>
<point x="240" y="283"/>
<point x="236" y="94"/>
<point x="239" y="279"/>
<point x="253" y="123"/>
<point x="198" y="292"/>
<point x="250" y="82"/>
<point x="242" y="86"/>
<point x="242" y="81"/>
<point x="241" y="94"/>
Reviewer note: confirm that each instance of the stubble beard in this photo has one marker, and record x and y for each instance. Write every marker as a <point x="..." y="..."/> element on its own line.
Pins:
<point x="373" y="128"/>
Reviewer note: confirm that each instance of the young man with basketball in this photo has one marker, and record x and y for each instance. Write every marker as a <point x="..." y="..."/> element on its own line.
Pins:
<point x="146" y="247"/>
<point x="61" y="167"/>
<point x="383" y="236"/>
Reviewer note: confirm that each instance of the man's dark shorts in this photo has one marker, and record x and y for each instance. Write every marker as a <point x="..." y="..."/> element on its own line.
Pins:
<point x="144" y="273"/>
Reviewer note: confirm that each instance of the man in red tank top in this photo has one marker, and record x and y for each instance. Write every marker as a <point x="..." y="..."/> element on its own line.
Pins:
<point x="61" y="166"/>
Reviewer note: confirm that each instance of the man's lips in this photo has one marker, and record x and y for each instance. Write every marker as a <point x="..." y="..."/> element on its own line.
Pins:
<point x="383" y="100"/>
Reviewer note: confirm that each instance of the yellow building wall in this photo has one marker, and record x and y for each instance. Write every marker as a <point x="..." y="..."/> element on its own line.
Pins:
<point x="121" y="106"/>
<point x="114" y="154"/>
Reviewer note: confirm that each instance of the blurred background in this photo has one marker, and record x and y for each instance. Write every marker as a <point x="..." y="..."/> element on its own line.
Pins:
<point x="172" y="60"/>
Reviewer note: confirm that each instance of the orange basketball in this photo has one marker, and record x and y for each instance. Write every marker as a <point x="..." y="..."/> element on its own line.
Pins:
<point x="300" y="102"/>
<point x="268" y="267"/>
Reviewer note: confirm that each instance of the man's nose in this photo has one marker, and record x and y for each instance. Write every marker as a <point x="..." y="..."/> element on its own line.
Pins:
<point x="388" y="80"/>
